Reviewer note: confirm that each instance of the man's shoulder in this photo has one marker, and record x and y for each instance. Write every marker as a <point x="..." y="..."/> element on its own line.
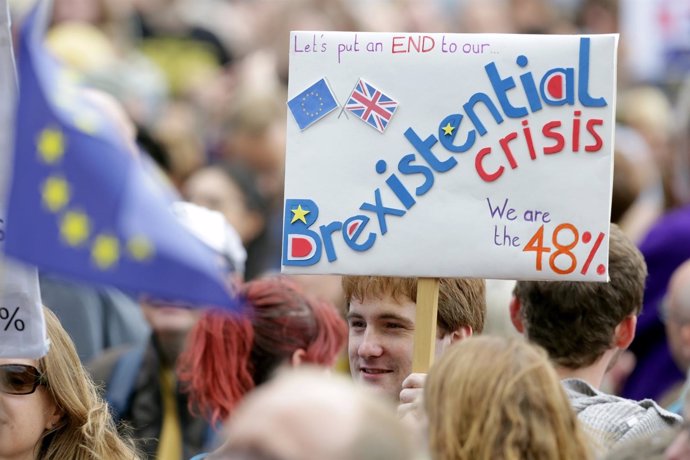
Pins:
<point x="612" y="418"/>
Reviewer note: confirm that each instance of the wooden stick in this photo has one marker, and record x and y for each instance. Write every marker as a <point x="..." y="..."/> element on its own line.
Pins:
<point x="425" y="324"/>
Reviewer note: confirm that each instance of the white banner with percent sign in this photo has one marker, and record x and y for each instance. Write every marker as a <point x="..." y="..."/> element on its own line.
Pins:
<point x="449" y="155"/>
<point x="22" y="327"/>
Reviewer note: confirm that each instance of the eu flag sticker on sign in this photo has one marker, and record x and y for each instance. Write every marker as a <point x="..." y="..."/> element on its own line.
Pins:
<point x="312" y="104"/>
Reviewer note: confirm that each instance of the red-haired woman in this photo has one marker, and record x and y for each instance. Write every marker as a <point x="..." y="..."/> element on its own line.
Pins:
<point x="228" y="355"/>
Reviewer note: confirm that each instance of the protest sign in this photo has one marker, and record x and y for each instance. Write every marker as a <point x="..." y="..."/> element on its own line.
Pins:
<point x="22" y="329"/>
<point x="442" y="155"/>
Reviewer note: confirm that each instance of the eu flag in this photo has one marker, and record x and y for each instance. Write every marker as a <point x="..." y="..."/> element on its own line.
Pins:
<point x="312" y="104"/>
<point x="81" y="204"/>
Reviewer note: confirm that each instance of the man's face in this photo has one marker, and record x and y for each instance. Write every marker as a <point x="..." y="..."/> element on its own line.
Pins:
<point x="170" y="319"/>
<point x="380" y="342"/>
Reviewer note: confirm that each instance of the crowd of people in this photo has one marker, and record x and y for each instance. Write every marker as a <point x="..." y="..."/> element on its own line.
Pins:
<point x="320" y="367"/>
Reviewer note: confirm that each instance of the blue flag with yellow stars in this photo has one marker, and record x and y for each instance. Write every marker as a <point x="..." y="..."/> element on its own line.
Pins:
<point x="312" y="104"/>
<point x="82" y="204"/>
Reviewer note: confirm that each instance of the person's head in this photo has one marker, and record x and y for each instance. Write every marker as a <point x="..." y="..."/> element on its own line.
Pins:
<point x="309" y="415"/>
<point x="675" y="311"/>
<point x="626" y="186"/>
<point x="381" y="320"/>
<point x="55" y="411"/>
<point x="577" y="322"/>
<point x="499" y="398"/>
<point x="232" y="191"/>
<point x="229" y="354"/>
<point x="171" y="321"/>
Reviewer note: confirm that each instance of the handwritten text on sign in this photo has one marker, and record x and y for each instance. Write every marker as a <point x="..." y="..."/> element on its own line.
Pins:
<point x="488" y="158"/>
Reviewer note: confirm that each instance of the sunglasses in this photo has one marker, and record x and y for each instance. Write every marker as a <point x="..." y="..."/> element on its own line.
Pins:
<point x="19" y="379"/>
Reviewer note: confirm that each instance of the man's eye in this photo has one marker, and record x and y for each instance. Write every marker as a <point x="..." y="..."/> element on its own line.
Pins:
<point x="357" y="324"/>
<point x="394" y="326"/>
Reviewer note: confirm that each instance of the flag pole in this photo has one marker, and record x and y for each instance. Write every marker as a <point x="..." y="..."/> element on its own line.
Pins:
<point x="342" y="107"/>
<point x="348" y="98"/>
<point x="425" y="324"/>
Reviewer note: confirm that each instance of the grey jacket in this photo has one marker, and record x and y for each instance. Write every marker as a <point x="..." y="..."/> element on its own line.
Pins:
<point x="610" y="420"/>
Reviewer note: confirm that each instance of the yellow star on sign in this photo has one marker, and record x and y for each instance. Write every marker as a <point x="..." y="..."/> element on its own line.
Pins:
<point x="298" y="214"/>
<point x="55" y="193"/>
<point x="140" y="248"/>
<point x="448" y="129"/>
<point x="105" y="251"/>
<point x="51" y="145"/>
<point x="75" y="227"/>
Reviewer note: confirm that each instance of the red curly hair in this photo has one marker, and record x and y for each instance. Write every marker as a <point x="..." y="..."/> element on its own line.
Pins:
<point x="229" y="354"/>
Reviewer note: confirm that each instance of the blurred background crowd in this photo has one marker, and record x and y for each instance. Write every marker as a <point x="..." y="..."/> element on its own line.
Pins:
<point x="204" y="82"/>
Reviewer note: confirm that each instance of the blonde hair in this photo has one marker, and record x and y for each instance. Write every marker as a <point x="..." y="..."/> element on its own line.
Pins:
<point x="494" y="398"/>
<point x="86" y="429"/>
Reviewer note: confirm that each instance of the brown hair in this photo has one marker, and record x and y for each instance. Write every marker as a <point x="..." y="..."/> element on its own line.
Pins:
<point x="575" y="321"/>
<point x="495" y="398"/>
<point x="86" y="429"/>
<point x="461" y="301"/>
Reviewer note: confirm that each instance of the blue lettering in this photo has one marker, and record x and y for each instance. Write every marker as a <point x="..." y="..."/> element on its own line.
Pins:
<point x="327" y="236"/>
<point x="469" y="110"/>
<point x="501" y="87"/>
<point x="351" y="240"/>
<point x="583" y="80"/>
<point x="406" y="168"/>
<point x="424" y="149"/>
<point x="447" y="140"/>
<point x="380" y="210"/>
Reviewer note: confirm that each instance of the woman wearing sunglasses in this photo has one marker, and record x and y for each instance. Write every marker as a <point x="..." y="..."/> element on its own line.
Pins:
<point x="50" y="409"/>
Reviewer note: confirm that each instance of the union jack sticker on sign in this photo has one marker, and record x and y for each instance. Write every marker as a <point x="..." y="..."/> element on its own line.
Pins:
<point x="372" y="106"/>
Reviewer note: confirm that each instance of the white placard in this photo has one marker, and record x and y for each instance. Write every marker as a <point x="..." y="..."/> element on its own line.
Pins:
<point x="22" y="327"/>
<point x="449" y="155"/>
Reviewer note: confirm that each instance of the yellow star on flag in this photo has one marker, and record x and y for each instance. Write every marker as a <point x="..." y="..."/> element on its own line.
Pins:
<point x="298" y="214"/>
<point x="140" y="248"/>
<point x="75" y="227"/>
<point x="55" y="192"/>
<point x="105" y="251"/>
<point x="51" y="145"/>
<point x="87" y="122"/>
<point x="448" y="129"/>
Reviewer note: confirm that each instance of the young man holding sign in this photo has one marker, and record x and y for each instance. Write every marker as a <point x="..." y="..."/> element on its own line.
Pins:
<point x="381" y="320"/>
<point x="584" y="326"/>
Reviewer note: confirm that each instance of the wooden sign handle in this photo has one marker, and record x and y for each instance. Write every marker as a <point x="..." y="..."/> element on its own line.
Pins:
<point x="425" y="324"/>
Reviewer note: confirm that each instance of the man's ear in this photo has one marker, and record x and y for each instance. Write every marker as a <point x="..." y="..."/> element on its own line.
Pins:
<point x="297" y="357"/>
<point x="625" y="332"/>
<point x="460" y="333"/>
<point x="516" y="315"/>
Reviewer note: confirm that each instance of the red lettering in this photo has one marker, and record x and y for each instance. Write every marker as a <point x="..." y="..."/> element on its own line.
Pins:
<point x="486" y="177"/>
<point x="548" y="131"/>
<point x="598" y="142"/>
<point x="397" y="44"/>
<point x="528" y="138"/>
<point x="506" y="149"/>
<point x="576" y="131"/>
<point x="301" y="247"/>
